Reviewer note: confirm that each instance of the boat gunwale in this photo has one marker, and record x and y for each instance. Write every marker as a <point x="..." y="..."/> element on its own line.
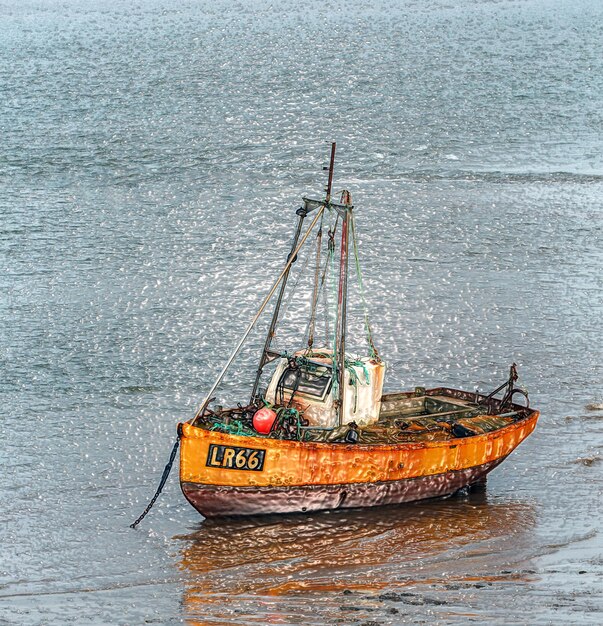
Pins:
<point x="530" y="415"/>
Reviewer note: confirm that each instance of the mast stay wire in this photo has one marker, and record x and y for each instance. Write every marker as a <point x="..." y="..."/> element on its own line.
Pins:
<point x="325" y="277"/>
<point x="292" y="291"/>
<point x="323" y="288"/>
<point x="321" y="279"/>
<point x="315" y="292"/>
<point x="257" y="315"/>
<point x="367" y="324"/>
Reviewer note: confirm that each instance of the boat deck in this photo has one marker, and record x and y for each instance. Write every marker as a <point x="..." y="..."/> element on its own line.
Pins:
<point x="437" y="415"/>
<point x="405" y="419"/>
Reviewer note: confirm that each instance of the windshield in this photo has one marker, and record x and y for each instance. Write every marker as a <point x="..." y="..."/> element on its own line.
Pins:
<point x="311" y="381"/>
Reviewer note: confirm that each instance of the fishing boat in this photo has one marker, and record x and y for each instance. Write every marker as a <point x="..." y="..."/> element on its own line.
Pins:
<point x="317" y="432"/>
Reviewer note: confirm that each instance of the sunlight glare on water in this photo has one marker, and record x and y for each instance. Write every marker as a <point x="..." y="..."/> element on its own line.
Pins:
<point x="152" y="158"/>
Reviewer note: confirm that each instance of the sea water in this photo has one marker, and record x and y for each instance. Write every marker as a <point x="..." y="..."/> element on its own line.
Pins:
<point x="152" y="157"/>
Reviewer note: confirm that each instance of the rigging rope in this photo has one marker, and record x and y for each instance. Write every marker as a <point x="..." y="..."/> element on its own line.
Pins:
<point x="324" y="283"/>
<point x="285" y="307"/>
<point x="249" y="328"/>
<point x="322" y="291"/>
<point x="367" y="325"/>
<point x="316" y="286"/>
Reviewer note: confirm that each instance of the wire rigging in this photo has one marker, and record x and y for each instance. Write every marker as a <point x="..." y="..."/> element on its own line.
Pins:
<point x="367" y="324"/>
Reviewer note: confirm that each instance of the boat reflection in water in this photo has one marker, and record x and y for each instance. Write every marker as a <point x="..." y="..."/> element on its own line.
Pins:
<point x="264" y="569"/>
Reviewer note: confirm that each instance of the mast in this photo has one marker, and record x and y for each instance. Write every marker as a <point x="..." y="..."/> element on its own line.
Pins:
<point x="331" y="167"/>
<point x="342" y="308"/>
<point x="318" y="251"/>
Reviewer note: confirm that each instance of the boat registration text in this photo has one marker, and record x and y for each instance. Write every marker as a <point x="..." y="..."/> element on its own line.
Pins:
<point x="233" y="457"/>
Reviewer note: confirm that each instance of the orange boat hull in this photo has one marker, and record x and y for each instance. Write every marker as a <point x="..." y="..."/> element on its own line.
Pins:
<point x="224" y="474"/>
<point x="218" y="501"/>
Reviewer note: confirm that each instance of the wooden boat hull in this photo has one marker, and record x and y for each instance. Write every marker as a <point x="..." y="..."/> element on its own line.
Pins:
<point x="217" y="501"/>
<point x="223" y="474"/>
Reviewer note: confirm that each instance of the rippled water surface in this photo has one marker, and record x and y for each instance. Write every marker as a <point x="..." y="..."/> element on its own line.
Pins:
<point x="152" y="156"/>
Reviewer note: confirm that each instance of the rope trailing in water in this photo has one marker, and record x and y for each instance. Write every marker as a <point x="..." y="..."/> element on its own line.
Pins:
<point x="164" y="477"/>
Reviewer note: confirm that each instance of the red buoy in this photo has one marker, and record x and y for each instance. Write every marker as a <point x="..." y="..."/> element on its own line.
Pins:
<point x="263" y="419"/>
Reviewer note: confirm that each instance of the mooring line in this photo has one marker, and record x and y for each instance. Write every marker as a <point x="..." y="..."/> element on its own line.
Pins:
<point x="164" y="477"/>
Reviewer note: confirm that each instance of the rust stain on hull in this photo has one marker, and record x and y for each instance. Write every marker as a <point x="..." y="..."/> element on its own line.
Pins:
<point x="216" y="501"/>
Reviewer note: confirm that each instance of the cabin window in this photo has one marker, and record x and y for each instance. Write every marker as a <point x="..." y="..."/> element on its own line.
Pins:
<point x="314" y="382"/>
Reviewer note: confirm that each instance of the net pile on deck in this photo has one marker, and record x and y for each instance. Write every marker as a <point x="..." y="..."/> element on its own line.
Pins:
<point x="291" y="425"/>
